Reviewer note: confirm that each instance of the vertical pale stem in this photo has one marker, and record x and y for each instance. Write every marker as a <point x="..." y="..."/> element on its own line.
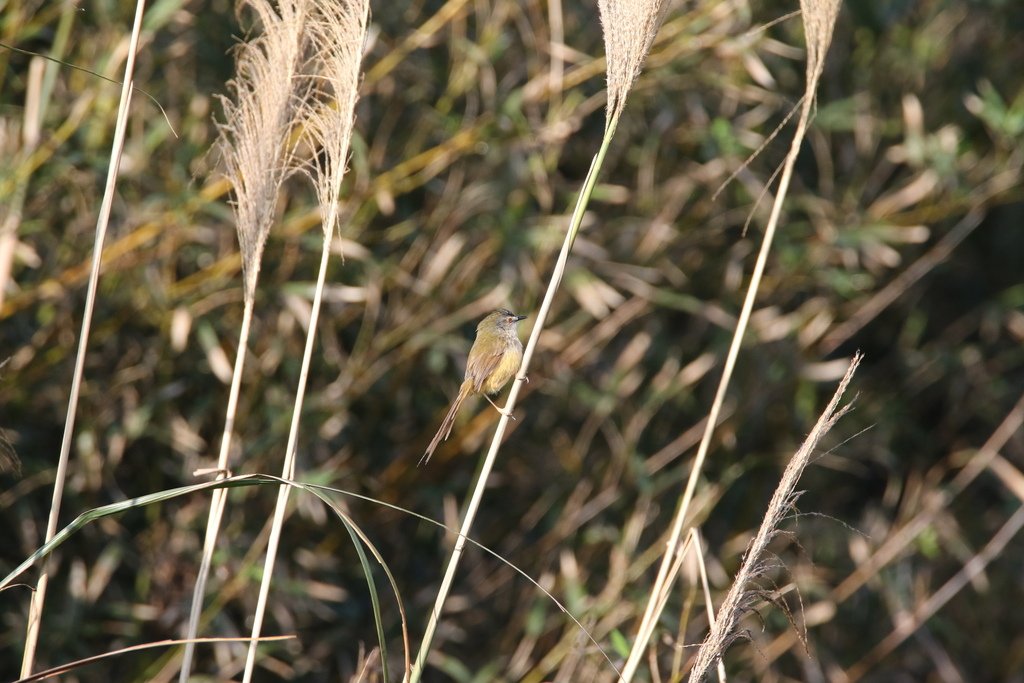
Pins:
<point x="15" y="203"/>
<point x="219" y="498"/>
<point x="117" y="146"/>
<point x="288" y="471"/>
<point x="492" y="453"/>
<point x="653" y="610"/>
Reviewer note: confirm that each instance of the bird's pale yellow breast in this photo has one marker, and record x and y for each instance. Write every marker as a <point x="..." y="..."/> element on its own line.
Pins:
<point x="506" y="369"/>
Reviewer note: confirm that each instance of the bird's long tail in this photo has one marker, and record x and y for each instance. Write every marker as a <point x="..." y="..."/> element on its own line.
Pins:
<point x="449" y="420"/>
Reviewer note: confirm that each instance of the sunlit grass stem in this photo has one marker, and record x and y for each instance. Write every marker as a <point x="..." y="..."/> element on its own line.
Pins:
<point x="288" y="469"/>
<point x="258" y="154"/>
<point x="219" y="497"/>
<point x="336" y="32"/>
<point x="492" y="453"/>
<point x="102" y="221"/>
<point x="819" y="20"/>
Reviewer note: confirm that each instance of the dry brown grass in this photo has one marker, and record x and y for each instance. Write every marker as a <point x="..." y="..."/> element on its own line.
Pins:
<point x="737" y="599"/>
<point x="474" y="126"/>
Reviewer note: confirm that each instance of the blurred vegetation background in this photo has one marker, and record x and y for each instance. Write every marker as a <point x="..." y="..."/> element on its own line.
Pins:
<point x="902" y="237"/>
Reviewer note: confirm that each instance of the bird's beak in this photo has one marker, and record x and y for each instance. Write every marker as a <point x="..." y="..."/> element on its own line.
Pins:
<point x="520" y="317"/>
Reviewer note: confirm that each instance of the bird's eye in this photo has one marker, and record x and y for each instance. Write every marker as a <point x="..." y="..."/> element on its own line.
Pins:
<point x="511" y="320"/>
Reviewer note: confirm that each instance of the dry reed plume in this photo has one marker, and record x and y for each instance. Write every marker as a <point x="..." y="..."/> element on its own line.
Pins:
<point x="258" y="149"/>
<point x="629" y="29"/>
<point x="336" y="32"/>
<point x="782" y="501"/>
<point x="259" y="117"/>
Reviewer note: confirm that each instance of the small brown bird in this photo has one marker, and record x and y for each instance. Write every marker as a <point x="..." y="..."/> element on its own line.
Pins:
<point x="493" y="361"/>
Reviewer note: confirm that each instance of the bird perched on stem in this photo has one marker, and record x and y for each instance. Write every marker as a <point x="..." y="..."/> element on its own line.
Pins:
<point x="493" y="360"/>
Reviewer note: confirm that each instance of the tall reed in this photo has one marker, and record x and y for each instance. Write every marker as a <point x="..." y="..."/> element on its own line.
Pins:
<point x="259" y="153"/>
<point x="337" y="31"/>
<point x="35" y="613"/>
<point x="819" y="18"/>
<point x="629" y="29"/>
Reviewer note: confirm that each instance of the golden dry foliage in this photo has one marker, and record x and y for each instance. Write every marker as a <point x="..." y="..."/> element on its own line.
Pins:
<point x="476" y="121"/>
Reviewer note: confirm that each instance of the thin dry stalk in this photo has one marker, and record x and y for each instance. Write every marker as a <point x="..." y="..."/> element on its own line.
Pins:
<point x="337" y="32"/>
<point x="729" y="613"/>
<point x="258" y="122"/>
<point x="369" y="667"/>
<point x="35" y="613"/>
<point x="900" y="539"/>
<point x="819" y="19"/>
<point x="635" y="26"/>
<point x="56" y="671"/>
<point x="706" y="588"/>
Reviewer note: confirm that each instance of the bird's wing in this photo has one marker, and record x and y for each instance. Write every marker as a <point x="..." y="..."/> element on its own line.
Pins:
<point x="480" y="368"/>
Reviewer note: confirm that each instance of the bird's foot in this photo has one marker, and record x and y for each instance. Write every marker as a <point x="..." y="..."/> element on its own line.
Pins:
<point x="504" y="413"/>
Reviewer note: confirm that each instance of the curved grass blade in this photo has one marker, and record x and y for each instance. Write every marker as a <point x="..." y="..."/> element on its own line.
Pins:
<point x="358" y="536"/>
<point x="79" y="663"/>
<point x="391" y="506"/>
<point x="121" y="506"/>
<point x="354" y="529"/>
